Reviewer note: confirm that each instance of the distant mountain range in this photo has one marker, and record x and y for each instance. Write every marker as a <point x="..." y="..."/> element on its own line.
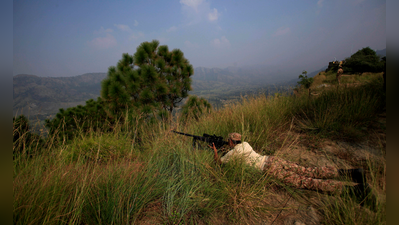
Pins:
<point x="235" y="75"/>
<point x="40" y="97"/>
<point x="382" y="52"/>
<point x="43" y="96"/>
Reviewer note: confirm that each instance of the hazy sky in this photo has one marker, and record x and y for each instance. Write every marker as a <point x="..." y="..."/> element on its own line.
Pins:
<point x="69" y="38"/>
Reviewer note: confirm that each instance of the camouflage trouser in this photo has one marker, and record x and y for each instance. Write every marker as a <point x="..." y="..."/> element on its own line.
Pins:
<point x="303" y="177"/>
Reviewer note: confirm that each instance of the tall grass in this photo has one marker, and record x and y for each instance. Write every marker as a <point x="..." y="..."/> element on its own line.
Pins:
<point x="343" y="112"/>
<point x="144" y="174"/>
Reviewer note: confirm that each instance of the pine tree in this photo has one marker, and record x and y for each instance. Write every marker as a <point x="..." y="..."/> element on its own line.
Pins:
<point x="153" y="80"/>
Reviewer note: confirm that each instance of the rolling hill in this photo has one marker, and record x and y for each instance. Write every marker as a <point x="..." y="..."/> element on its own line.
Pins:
<point x="43" y="96"/>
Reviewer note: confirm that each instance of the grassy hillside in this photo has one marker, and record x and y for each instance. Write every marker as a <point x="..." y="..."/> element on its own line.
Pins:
<point x="145" y="174"/>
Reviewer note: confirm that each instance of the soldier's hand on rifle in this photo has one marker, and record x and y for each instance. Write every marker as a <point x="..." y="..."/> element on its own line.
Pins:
<point x="216" y="157"/>
<point x="213" y="147"/>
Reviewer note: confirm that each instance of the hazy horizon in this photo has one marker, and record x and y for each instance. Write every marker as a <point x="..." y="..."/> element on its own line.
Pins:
<point x="62" y="39"/>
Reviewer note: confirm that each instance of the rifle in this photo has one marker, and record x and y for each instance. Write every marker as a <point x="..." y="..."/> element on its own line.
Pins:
<point x="217" y="140"/>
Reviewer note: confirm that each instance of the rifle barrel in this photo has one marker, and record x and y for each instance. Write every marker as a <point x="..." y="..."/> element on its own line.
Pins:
<point x="190" y="135"/>
<point x="206" y="138"/>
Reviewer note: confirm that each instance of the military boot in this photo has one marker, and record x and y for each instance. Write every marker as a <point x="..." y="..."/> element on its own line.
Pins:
<point x="359" y="191"/>
<point x="356" y="175"/>
<point x="362" y="194"/>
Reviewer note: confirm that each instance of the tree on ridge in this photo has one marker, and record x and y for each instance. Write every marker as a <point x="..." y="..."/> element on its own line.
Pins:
<point x="364" y="60"/>
<point x="153" y="80"/>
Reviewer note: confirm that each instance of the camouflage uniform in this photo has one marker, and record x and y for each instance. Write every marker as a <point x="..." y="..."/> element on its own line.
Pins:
<point x="303" y="177"/>
<point x="288" y="172"/>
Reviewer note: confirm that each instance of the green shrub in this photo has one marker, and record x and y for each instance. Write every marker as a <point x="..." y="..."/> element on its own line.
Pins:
<point x="194" y="108"/>
<point x="364" y="60"/>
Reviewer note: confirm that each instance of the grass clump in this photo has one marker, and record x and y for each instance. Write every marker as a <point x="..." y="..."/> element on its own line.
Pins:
<point x="100" y="147"/>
